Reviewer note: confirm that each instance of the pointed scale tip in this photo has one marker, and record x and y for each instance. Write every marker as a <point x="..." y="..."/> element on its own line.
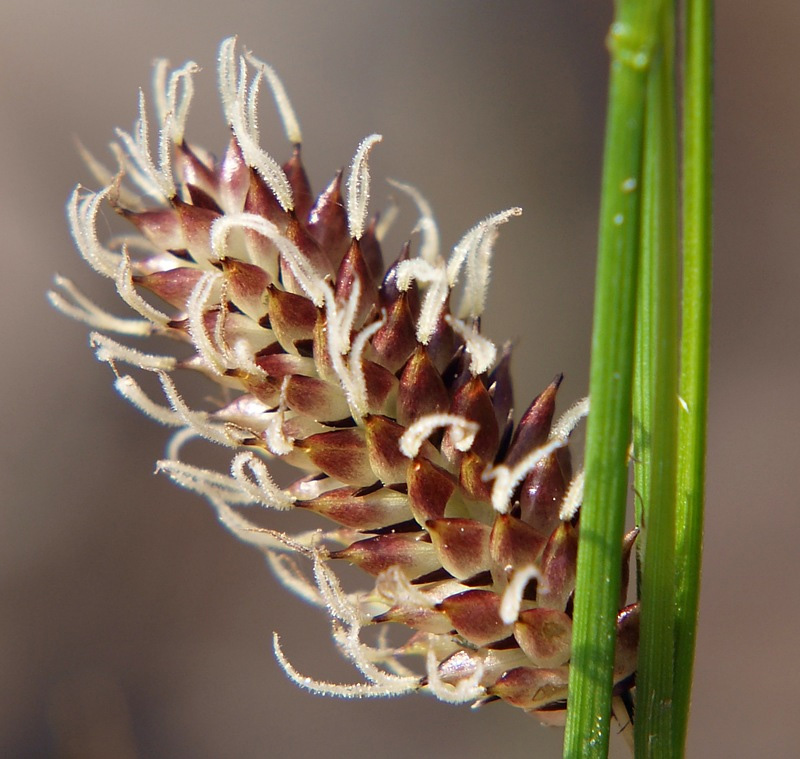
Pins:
<point x="534" y="427"/>
<point x="327" y="222"/>
<point x="301" y="187"/>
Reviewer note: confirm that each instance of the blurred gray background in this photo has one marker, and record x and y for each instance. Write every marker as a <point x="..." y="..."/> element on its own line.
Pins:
<point x="131" y="624"/>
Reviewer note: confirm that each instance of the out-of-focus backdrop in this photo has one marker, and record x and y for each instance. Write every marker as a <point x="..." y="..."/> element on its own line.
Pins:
<point x="131" y="624"/>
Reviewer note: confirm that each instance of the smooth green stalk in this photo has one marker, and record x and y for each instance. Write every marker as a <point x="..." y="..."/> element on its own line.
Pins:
<point x="657" y="389"/>
<point x="696" y="321"/>
<point x="609" y="427"/>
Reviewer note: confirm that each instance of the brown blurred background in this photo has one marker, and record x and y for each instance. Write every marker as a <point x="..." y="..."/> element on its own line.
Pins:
<point x="131" y="624"/>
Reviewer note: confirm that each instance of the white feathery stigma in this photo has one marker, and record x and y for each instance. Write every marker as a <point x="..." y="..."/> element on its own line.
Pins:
<point x="198" y="421"/>
<point x="512" y="595"/>
<point x="205" y="482"/>
<point x="132" y="392"/>
<point x="291" y="125"/>
<point x="358" y="187"/>
<point x="433" y="276"/>
<point x="475" y="250"/>
<point x="386" y="220"/>
<point x="569" y="420"/>
<point x="278" y="443"/>
<point x="467" y="689"/>
<point x="205" y="291"/>
<point x="82" y="210"/>
<point x="239" y="103"/>
<point x="173" y="96"/>
<point x="154" y="180"/>
<point x="481" y="349"/>
<point x="111" y="351"/>
<point x="292" y="578"/>
<point x="309" y="279"/>
<point x="426" y="226"/>
<point x="462" y="432"/>
<point x="573" y="498"/>
<point x="127" y="291"/>
<point x="350" y="373"/>
<point x="72" y="302"/>
<point x="322" y="688"/>
<point x="264" y="490"/>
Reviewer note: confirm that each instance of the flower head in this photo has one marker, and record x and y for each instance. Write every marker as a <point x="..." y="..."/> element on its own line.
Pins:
<point x="369" y="379"/>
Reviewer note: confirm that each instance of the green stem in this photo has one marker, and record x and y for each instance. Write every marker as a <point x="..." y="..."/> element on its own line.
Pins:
<point x="609" y="427"/>
<point x="696" y="320"/>
<point x="657" y="389"/>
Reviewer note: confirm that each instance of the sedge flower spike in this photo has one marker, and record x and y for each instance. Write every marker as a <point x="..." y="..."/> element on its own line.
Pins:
<point x="395" y="409"/>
